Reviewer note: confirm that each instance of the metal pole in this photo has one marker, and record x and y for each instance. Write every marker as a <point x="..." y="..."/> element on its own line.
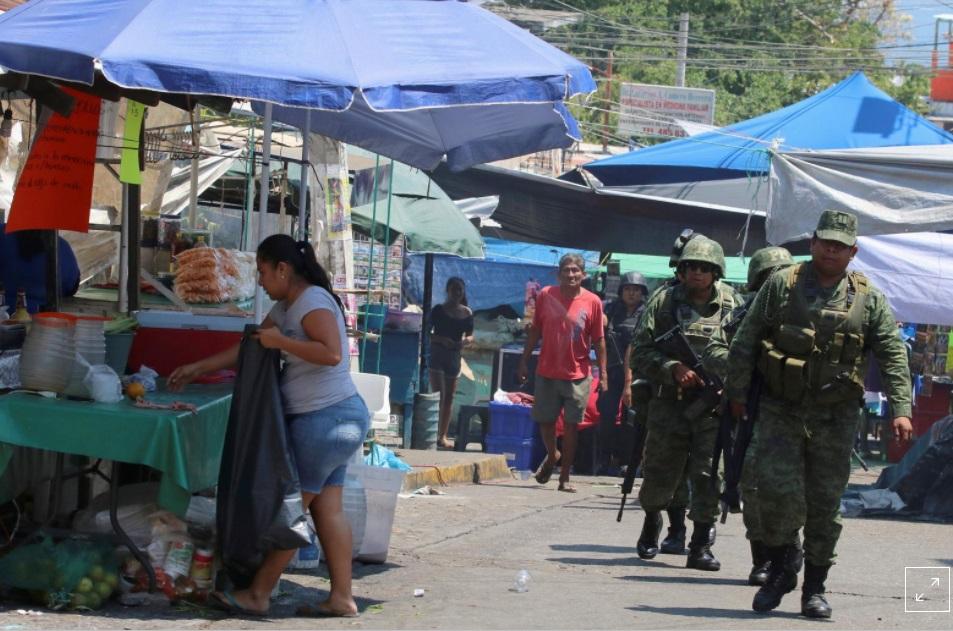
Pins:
<point x="249" y="194"/>
<point x="51" y="243"/>
<point x="424" y="386"/>
<point x="124" y="253"/>
<point x="370" y="265"/>
<point x="263" y="201"/>
<point x="305" y="174"/>
<point x="194" y="173"/>
<point x="605" y="112"/>
<point x="390" y="198"/>
<point x="134" y="236"/>
<point x="682" y="50"/>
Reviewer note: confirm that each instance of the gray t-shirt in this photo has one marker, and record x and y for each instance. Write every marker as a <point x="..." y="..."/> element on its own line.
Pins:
<point x="307" y="387"/>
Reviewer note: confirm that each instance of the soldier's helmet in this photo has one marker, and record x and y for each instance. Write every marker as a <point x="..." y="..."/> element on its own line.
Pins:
<point x="703" y="249"/>
<point x="764" y="260"/>
<point x="633" y="278"/>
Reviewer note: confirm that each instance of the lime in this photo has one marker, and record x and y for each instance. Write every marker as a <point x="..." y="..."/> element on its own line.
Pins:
<point x="97" y="572"/>
<point x="84" y="586"/>
<point x="94" y="601"/>
<point x="78" y="600"/>
<point x="112" y="580"/>
<point x="103" y="589"/>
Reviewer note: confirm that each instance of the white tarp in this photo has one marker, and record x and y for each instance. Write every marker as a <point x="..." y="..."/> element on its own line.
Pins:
<point x="891" y="189"/>
<point x="915" y="272"/>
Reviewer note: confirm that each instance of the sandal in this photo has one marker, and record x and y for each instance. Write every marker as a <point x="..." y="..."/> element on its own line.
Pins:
<point x="565" y="487"/>
<point x="227" y="603"/>
<point x="545" y="471"/>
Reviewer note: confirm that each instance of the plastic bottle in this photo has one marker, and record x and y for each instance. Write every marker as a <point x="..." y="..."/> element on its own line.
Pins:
<point x="521" y="584"/>
<point x="21" y="314"/>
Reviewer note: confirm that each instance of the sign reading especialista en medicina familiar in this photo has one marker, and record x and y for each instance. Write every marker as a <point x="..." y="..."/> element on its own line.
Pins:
<point x="645" y="110"/>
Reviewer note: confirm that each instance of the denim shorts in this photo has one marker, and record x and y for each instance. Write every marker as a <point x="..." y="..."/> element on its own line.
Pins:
<point x="323" y="441"/>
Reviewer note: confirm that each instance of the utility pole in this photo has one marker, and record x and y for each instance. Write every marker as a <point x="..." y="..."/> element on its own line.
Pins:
<point x="682" y="50"/>
<point x="607" y="106"/>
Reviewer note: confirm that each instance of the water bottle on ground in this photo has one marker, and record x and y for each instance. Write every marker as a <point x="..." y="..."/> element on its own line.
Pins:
<point x="521" y="584"/>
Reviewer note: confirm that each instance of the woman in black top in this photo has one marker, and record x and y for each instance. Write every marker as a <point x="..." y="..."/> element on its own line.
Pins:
<point x="452" y="328"/>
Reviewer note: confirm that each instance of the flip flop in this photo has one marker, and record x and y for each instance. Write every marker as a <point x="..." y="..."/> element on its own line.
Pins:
<point x="565" y="488"/>
<point x="545" y="472"/>
<point x="308" y="611"/>
<point x="227" y="603"/>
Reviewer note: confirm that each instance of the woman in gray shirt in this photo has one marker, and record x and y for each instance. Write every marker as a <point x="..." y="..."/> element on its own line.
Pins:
<point x="327" y="419"/>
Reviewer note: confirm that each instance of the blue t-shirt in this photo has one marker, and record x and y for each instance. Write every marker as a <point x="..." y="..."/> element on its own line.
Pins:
<point x="30" y="274"/>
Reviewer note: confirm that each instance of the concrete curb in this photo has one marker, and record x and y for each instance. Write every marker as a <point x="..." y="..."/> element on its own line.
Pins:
<point x="489" y="467"/>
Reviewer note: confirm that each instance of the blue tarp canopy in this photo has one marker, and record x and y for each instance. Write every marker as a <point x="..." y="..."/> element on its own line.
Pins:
<point x="517" y="252"/>
<point x="853" y="113"/>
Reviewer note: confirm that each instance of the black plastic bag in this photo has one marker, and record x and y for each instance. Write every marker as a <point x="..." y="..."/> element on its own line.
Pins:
<point x="259" y="505"/>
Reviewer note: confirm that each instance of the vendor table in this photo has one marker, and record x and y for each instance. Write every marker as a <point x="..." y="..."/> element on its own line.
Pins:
<point x="185" y="447"/>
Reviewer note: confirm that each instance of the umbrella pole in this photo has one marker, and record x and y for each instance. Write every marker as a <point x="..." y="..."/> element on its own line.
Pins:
<point x="305" y="173"/>
<point x="263" y="201"/>
<point x="249" y="190"/>
<point x="390" y="198"/>
<point x="370" y="265"/>
<point x="424" y="386"/>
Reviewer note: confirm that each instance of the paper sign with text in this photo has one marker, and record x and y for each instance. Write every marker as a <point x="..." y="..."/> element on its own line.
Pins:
<point x="56" y="187"/>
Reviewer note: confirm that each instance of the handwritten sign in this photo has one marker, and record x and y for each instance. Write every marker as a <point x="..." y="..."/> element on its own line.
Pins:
<point x="129" y="165"/>
<point x="56" y="187"/>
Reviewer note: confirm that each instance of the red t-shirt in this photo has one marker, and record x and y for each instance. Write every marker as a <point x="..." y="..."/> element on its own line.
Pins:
<point x="568" y="326"/>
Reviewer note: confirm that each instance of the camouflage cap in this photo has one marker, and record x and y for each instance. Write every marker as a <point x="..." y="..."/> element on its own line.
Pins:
<point x="837" y="225"/>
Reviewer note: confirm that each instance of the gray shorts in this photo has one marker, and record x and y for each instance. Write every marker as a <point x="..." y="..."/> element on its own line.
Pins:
<point x="560" y="395"/>
<point x="445" y="360"/>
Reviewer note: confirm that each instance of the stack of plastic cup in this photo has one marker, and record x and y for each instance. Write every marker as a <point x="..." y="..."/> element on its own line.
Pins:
<point x="90" y="339"/>
<point x="47" y="358"/>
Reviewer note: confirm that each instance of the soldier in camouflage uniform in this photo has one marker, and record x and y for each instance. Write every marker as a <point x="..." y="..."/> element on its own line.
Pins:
<point x="699" y="304"/>
<point x="763" y="264"/>
<point x="808" y="333"/>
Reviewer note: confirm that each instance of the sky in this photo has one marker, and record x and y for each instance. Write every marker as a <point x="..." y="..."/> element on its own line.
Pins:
<point x="920" y="27"/>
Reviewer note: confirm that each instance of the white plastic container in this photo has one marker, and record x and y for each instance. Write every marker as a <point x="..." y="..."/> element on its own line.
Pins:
<point x="381" y="486"/>
<point x="46" y="362"/>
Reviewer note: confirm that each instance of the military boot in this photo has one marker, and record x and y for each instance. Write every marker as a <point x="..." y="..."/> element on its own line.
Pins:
<point x="699" y="548"/>
<point x="674" y="542"/>
<point x="648" y="540"/>
<point x="813" y="603"/>
<point x="782" y="577"/>
<point x="760" y="563"/>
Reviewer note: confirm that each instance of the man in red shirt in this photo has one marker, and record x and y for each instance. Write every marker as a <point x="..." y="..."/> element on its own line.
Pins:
<point x="569" y="321"/>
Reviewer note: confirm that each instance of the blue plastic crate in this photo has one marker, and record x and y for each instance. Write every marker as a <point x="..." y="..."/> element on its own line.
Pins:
<point x="511" y="421"/>
<point x="520" y="453"/>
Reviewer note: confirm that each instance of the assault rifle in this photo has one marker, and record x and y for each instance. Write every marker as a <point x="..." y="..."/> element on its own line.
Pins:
<point x="635" y="459"/>
<point x="677" y="346"/>
<point x="734" y="438"/>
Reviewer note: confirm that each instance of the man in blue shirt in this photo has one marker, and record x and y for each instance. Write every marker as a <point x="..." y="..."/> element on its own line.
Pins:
<point x="23" y="266"/>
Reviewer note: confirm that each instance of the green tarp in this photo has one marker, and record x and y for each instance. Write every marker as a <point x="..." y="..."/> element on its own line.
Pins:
<point x="657" y="266"/>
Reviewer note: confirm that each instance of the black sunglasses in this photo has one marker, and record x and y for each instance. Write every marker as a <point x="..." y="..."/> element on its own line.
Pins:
<point x="700" y="266"/>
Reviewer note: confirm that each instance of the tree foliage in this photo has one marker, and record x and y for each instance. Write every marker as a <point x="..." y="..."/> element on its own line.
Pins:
<point x="758" y="55"/>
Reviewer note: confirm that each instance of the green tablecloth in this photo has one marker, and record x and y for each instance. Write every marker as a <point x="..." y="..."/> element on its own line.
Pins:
<point x="185" y="447"/>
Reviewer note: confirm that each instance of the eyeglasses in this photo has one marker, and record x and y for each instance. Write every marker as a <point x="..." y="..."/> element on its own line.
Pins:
<point x="699" y="266"/>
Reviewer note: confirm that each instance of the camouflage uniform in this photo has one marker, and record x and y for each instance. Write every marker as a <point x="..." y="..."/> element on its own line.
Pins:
<point x="675" y="444"/>
<point x="763" y="263"/>
<point x="810" y="344"/>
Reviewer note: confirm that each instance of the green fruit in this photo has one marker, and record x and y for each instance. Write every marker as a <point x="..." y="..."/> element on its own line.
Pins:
<point x="84" y="586"/>
<point x="94" y="601"/>
<point x="97" y="572"/>
<point x="112" y="580"/>
<point x="103" y="589"/>
<point x="78" y="600"/>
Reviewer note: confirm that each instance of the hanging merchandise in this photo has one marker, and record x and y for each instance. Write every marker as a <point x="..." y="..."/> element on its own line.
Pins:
<point x="259" y="497"/>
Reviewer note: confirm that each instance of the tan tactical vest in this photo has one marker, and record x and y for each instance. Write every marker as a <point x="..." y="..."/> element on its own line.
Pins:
<point x="816" y="353"/>
<point x="697" y="328"/>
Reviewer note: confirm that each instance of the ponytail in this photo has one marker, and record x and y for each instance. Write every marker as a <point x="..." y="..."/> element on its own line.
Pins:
<point x="300" y="256"/>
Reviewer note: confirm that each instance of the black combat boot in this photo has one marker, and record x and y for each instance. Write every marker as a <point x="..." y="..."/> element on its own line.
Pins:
<point x="648" y="540"/>
<point x="782" y="577"/>
<point x="674" y="542"/>
<point x="699" y="548"/>
<point x="760" y="563"/>
<point x="813" y="603"/>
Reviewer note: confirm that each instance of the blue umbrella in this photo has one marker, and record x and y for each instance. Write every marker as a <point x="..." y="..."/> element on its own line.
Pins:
<point x="415" y="80"/>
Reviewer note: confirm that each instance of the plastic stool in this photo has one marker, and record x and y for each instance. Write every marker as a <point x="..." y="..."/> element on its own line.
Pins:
<point x="464" y="437"/>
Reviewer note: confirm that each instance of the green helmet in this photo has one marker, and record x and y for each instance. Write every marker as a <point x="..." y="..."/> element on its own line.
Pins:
<point x="764" y="260"/>
<point x="703" y="249"/>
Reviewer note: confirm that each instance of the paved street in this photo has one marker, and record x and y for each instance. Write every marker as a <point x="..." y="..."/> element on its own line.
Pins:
<point x="465" y="548"/>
